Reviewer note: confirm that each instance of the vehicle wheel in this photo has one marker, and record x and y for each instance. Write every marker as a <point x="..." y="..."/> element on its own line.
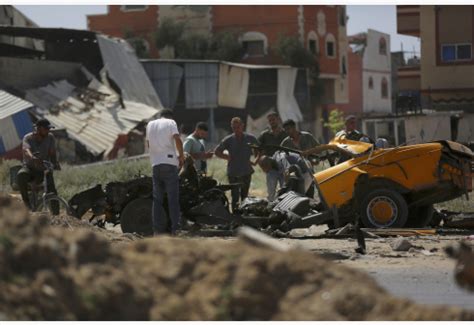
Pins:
<point x="384" y="208"/>
<point x="136" y="217"/>
<point x="420" y="217"/>
<point x="59" y="201"/>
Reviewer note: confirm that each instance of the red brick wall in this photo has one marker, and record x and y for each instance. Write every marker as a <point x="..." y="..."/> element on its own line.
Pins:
<point x="327" y="65"/>
<point x="116" y="22"/>
<point x="283" y="20"/>
<point x="355" y="86"/>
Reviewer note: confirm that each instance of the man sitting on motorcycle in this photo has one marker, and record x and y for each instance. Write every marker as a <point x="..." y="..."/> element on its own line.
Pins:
<point x="37" y="147"/>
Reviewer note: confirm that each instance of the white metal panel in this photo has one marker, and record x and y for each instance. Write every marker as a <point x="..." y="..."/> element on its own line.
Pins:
<point x="10" y="104"/>
<point x="8" y="133"/>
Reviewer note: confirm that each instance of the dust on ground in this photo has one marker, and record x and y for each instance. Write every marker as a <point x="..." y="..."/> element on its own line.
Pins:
<point x="62" y="269"/>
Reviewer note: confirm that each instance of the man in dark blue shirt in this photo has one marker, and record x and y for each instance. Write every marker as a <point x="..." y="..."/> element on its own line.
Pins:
<point x="239" y="166"/>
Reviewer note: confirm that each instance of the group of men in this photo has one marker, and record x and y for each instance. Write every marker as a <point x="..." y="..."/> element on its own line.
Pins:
<point x="237" y="149"/>
<point x="167" y="155"/>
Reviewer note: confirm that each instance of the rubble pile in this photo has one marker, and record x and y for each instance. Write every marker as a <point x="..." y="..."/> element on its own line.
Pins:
<point x="52" y="273"/>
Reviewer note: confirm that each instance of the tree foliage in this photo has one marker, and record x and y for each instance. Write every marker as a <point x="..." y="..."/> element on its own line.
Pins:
<point x="293" y="53"/>
<point x="188" y="45"/>
<point x="169" y="33"/>
<point x="335" y="121"/>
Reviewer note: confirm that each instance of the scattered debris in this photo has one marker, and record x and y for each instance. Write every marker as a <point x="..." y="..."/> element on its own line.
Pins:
<point x="401" y="245"/>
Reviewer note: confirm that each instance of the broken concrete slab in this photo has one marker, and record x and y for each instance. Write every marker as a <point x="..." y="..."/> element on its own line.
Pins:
<point x="401" y="245"/>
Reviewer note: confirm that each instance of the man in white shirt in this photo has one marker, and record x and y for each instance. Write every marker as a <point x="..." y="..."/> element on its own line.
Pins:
<point x="163" y="139"/>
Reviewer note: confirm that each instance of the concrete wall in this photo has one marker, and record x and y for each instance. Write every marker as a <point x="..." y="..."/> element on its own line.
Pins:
<point x="443" y="76"/>
<point x="377" y="66"/>
<point x="428" y="128"/>
<point x="466" y="128"/>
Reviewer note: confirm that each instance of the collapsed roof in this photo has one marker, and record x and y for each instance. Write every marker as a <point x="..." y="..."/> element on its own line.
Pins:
<point x="90" y="84"/>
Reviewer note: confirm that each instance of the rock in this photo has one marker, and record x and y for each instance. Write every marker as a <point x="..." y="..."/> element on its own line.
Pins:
<point x="401" y="245"/>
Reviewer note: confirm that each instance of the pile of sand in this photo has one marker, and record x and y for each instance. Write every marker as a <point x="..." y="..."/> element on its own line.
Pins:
<point x="55" y="273"/>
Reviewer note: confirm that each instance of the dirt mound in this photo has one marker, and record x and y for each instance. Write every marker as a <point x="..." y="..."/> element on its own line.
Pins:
<point x="52" y="273"/>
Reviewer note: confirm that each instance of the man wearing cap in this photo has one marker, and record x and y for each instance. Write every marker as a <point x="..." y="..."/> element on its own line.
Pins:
<point x="163" y="140"/>
<point x="38" y="146"/>
<point x="195" y="146"/>
<point x="268" y="139"/>
<point x="350" y="131"/>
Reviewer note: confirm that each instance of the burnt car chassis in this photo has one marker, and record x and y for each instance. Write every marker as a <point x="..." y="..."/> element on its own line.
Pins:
<point x="447" y="169"/>
<point x="203" y="203"/>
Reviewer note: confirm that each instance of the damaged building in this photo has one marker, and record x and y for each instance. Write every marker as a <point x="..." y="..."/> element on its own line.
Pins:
<point x="90" y="86"/>
<point x="217" y="91"/>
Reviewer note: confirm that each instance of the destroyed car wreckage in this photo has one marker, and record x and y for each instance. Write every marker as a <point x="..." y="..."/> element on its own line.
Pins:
<point x="381" y="188"/>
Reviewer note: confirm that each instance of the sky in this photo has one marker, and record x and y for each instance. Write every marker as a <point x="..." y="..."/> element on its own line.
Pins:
<point x="361" y="17"/>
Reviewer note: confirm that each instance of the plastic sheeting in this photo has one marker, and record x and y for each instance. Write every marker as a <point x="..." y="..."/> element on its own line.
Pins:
<point x="201" y="85"/>
<point x="233" y="86"/>
<point x="286" y="102"/>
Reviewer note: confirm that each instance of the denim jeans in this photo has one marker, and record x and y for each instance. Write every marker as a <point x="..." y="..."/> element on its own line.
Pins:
<point x="165" y="180"/>
<point x="242" y="191"/>
<point x="273" y="178"/>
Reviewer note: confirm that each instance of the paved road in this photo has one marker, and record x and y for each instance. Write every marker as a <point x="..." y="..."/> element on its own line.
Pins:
<point x="434" y="287"/>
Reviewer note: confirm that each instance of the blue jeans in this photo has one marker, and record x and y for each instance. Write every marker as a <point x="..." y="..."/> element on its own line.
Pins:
<point x="165" y="180"/>
<point x="273" y="178"/>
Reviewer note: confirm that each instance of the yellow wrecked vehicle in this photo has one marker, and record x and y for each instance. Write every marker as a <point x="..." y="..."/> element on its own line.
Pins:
<point x="393" y="187"/>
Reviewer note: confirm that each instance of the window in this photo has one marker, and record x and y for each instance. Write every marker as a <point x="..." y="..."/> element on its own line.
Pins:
<point x="313" y="44"/>
<point x="456" y="52"/>
<point x="330" y="46"/>
<point x="384" y="88"/>
<point x="371" y="83"/>
<point x="254" y="43"/>
<point x="343" y="66"/>
<point x="254" y="48"/>
<point x="134" y="8"/>
<point x="382" y="46"/>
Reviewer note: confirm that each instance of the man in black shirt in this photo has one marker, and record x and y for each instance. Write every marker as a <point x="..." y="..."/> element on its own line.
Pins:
<point x="273" y="135"/>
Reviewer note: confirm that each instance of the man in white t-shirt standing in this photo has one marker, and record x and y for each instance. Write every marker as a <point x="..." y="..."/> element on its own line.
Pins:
<point x="163" y="140"/>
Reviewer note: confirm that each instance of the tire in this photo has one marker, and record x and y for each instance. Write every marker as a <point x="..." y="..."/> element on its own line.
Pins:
<point x="63" y="206"/>
<point x="383" y="208"/>
<point x="420" y="217"/>
<point x="136" y="217"/>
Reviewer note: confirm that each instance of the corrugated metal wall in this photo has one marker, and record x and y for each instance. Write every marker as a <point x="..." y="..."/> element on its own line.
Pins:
<point x="13" y="128"/>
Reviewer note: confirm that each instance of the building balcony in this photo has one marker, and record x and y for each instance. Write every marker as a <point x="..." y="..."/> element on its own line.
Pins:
<point x="408" y="20"/>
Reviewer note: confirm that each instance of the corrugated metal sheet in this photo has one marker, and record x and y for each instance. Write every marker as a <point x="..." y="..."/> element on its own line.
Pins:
<point x="126" y="71"/>
<point x="8" y="134"/>
<point x="201" y="82"/>
<point x="96" y="124"/>
<point x="10" y="105"/>
<point x="166" y="79"/>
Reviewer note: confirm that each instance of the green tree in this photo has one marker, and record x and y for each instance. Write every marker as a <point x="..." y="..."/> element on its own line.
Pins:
<point x="335" y="121"/>
<point x="293" y="53"/>
<point x="169" y="33"/>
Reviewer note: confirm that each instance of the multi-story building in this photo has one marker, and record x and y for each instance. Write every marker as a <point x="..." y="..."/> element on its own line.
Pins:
<point x="321" y="29"/>
<point x="445" y="72"/>
<point x="369" y="74"/>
